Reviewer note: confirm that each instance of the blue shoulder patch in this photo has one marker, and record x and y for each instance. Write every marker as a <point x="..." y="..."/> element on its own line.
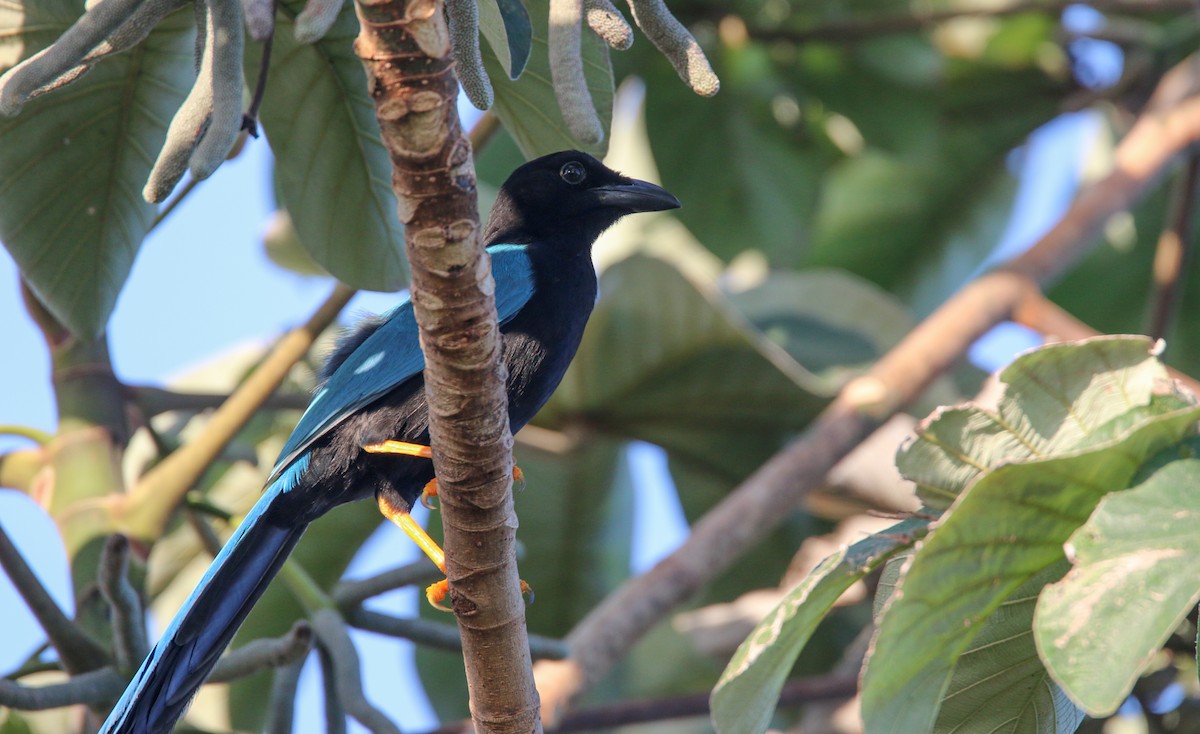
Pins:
<point x="390" y="356"/>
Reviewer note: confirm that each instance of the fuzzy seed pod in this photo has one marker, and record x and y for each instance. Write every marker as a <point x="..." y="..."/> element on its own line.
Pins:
<point x="316" y="19"/>
<point x="607" y="22"/>
<point x="566" y="72"/>
<point x="226" y="46"/>
<point x="66" y="54"/>
<point x="462" y="17"/>
<point x="679" y="46"/>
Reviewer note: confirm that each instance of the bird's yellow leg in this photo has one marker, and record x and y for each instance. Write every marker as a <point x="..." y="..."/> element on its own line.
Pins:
<point x="404" y="448"/>
<point x="436" y="593"/>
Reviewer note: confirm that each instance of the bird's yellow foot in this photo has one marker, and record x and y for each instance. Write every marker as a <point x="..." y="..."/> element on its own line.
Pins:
<point x="527" y="590"/>
<point x="429" y="494"/>
<point x="436" y="593"/>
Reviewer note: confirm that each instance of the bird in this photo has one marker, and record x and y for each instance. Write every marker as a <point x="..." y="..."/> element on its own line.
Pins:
<point x="365" y="433"/>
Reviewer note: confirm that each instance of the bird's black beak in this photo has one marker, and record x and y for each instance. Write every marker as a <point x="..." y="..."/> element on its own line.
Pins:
<point x="636" y="196"/>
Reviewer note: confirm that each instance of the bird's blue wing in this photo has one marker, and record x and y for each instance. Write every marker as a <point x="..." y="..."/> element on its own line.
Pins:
<point x="388" y="357"/>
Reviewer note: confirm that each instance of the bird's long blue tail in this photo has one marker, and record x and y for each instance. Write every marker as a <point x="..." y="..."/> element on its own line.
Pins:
<point x="204" y="626"/>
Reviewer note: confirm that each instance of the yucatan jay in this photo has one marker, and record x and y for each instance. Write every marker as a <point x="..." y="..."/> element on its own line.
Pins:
<point x="365" y="433"/>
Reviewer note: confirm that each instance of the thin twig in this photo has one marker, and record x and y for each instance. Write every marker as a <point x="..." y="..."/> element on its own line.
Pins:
<point x="344" y="667"/>
<point x="261" y="654"/>
<point x="125" y="606"/>
<point x="281" y="711"/>
<point x="92" y="687"/>
<point x="154" y="400"/>
<point x="350" y="593"/>
<point x="180" y="194"/>
<point x="41" y="438"/>
<point x="1169" y="126"/>
<point x="335" y="713"/>
<point x="440" y="636"/>
<point x="77" y="650"/>
<point x="1174" y="253"/>
<point x="250" y="122"/>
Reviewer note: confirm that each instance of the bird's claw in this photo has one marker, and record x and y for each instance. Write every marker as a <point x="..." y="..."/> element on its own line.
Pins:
<point x="527" y="590"/>
<point x="436" y="593"/>
<point x="429" y="494"/>
<point x="518" y="481"/>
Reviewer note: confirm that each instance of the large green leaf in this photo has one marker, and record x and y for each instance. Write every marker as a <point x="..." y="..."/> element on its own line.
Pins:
<point x="73" y="163"/>
<point x="333" y="173"/>
<point x="743" y="701"/>
<point x="666" y="361"/>
<point x="505" y="24"/>
<point x="999" y="677"/>
<point x="1134" y="581"/>
<point x="1061" y="397"/>
<point x="1075" y="440"/>
<point x="746" y="181"/>
<point x="528" y="107"/>
<point x="889" y="211"/>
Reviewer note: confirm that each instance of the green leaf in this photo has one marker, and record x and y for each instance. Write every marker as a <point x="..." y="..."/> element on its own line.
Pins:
<point x="755" y="185"/>
<point x="934" y="155"/>
<point x="333" y="172"/>
<point x="744" y="699"/>
<point x="657" y="364"/>
<point x="791" y="308"/>
<point x="1055" y="400"/>
<point x="73" y="163"/>
<point x="999" y="677"/>
<point x="1134" y="580"/>
<point x="505" y="24"/>
<point x="1064" y="418"/>
<point x="528" y="107"/>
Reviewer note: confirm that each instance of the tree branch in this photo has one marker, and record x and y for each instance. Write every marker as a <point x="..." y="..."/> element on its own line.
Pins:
<point x="1169" y="125"/>
<point x="346" y="672"/>
<point x="125" y="606"/>
<point x="441" y="636"/>
<point x="79" y="652"/>
<point x="351" y="593"/>
<point x="96" y="686"/>
<point x="405" y="48"/>
<point x="154" y="400"/>
<point x="282" y="708"/>
<point x="256" y="655"/>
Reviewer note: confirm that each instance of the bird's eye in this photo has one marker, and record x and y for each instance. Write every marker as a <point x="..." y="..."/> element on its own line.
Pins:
<point x="573" y="172"/>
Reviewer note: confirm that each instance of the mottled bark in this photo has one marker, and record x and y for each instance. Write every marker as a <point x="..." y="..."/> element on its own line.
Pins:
<point x="405" y="48"/>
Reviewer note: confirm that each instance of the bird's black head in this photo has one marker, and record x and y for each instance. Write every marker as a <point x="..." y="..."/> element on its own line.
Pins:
<point x="569" y="197"/>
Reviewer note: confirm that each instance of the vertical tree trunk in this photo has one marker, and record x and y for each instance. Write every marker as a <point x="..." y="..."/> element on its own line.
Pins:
<point x="405" y="48"/>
